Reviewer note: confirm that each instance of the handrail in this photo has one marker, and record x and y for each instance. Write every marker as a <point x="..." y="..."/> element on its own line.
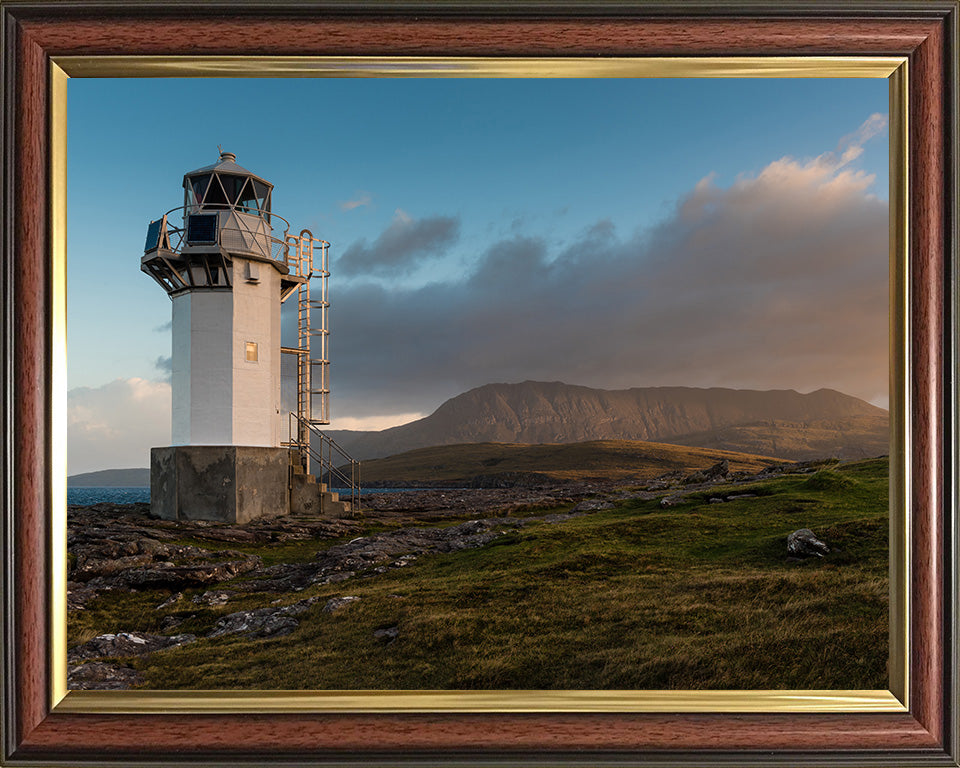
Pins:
<point x="326" y="462"/>
<point x="278" y="243"/>
<point x="187" y="210"/>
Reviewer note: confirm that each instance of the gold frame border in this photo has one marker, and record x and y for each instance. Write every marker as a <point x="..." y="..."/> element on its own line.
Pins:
<point x="439" y="66"/>
<point x="235" y="702"/>
<point x="438" y="702"/>
<point x="58" y="382"/>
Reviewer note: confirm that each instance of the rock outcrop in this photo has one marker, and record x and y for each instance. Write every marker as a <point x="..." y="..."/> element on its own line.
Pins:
<point x="113" y="548"/>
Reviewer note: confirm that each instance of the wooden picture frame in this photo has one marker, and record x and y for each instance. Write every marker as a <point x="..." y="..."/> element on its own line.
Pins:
<point x="38" y="34"/>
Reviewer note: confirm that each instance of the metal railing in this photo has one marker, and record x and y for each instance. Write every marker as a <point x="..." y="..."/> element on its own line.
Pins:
<point x="327" y="457"/>
<point x="273" y="245"/>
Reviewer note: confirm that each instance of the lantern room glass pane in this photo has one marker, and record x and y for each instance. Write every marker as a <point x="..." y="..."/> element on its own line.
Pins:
<point x="199" y="185"/>
<point x="262" y="192"/>
<point x="231" y="186"/>
<point x="215" y="197"/>
<point x="248" y="198"/>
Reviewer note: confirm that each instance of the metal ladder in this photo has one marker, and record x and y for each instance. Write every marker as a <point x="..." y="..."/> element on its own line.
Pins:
<point x="313" y="389"/>
<point x="310" y="261"/>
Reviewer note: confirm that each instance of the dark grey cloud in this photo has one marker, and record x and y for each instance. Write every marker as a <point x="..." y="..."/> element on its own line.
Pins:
<point x="165" y="365"/>
<point x="779" y="281"/>
<point x="401" y="246"/>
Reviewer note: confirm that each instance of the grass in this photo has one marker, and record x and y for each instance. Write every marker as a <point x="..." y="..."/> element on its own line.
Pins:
<point x="700" y="595"/>
<point x="621" y="460"/>
<point x="274" y="553"/>
<point x="117" y="611"/>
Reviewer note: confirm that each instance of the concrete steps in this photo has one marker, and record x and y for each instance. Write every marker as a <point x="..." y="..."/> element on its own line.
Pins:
<point x="331" y="506"/>
<point x="310" y="500"/>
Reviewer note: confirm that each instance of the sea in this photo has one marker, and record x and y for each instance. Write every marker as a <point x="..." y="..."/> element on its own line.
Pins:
<point x="85" y="497"/>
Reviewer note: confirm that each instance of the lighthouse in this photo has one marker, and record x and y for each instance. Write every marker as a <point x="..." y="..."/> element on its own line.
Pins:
<point x="228" y="262"/>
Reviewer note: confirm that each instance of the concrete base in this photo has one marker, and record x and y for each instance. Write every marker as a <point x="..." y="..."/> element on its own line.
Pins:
<point x="224" y="483"/>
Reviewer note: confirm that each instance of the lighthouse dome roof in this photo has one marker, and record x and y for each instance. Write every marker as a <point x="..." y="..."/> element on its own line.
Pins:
<point x="226" y="164"/>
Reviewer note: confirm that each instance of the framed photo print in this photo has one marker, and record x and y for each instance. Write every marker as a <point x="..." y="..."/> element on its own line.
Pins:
<point x="523" y="384"/>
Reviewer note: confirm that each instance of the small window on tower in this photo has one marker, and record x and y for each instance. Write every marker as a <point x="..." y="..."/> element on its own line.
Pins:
<point x="251" y="351"/>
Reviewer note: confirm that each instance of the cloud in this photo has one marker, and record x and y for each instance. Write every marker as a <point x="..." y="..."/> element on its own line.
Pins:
<point x="378" y="422"/>
<point x="164" y="327"/>
<point x="164" y="364"/>
<point x="848" y="149"/>
<point x="850" y="146"/>
<point x="115" y="425"/>
<point x="401" y="246"/>
<point x="361" y="200"/>
<point x="779" y="280"/>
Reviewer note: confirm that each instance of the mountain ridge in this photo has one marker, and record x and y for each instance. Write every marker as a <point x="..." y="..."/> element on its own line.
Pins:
<point x="800" y="426"/>
<point x="138" y="477"/>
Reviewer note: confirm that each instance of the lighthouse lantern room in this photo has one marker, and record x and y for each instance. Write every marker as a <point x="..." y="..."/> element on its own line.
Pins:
<point x="227" y="262"/>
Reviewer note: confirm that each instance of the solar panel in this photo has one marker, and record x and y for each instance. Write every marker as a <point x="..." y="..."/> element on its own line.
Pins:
<point x="153" y="236"/>
<point x="202" y="228"/>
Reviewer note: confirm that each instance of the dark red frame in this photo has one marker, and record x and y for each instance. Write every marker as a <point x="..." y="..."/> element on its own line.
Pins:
<point x="925" y="32"/>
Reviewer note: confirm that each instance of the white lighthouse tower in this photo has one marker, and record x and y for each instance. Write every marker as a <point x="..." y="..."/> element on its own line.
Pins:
<point x="228" y="262"/>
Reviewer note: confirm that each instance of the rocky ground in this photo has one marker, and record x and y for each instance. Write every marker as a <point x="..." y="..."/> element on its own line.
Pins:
<point x="120" y="547"/>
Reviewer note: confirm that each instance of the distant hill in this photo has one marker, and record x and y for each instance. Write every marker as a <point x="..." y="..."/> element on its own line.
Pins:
<point x="111" y="478"/>
<point x="781" y="423"/>
<point x="507" y="464"/>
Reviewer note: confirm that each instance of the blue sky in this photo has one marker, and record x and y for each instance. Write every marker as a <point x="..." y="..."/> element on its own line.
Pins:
<point x="497" y="230"/>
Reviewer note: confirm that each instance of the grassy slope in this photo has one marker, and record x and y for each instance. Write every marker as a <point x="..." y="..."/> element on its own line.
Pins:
<point x="621" y="460"/>
<point x="855" y="437"/>
<point x="695" y="596"/>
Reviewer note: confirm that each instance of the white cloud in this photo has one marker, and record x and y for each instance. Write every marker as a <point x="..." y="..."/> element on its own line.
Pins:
<point x="115" y="425"/>
<point x="850" y="147"/>
<point x="361" y="200"/>
<point x="383" y="421"/>
<point x="871" y="127"/>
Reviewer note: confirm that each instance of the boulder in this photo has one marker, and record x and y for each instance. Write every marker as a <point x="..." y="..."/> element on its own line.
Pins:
<point x="591" y="505"/>
<point x="263" y="622"/>
<point x="172" y="576"/>
<point x="387" y="635"/>
<point x="335" y="603"/>
<point x="98" y="676"/>
<point x="125" y="644"/>
<point x="719" y="471"/>
<point x="803" y="543"/>
<point x="214" y="598"/>
<point x="176" y="597"/>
